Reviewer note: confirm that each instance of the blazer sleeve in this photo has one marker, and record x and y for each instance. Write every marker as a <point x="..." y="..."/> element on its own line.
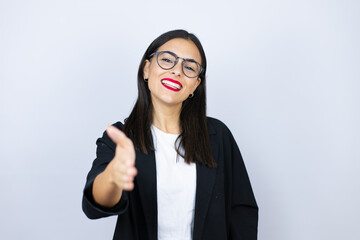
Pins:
<point x="244" y="209"/>
<point x="105" y="152"/>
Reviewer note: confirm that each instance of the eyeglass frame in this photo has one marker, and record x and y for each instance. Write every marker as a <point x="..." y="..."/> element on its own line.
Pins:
<point x="176" y="61"/>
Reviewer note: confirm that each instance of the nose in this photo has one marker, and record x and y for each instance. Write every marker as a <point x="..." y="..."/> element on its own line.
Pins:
<point x="177" y="68"/>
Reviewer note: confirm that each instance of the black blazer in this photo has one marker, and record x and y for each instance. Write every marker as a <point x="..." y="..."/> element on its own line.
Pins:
<point x="225" y="206"/>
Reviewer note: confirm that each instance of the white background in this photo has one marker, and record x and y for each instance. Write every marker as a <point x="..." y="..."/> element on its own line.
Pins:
<point x="283" y="75"/>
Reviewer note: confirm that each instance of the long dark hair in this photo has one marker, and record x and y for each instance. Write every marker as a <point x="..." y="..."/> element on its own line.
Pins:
<point x="194" y="137"/>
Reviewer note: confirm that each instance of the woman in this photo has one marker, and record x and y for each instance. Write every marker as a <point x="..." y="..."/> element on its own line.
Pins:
<point x="171" y="172"/>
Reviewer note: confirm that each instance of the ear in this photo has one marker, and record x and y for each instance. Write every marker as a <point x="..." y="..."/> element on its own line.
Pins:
<point x="197" y="83"/>
<point x="146" y="69"/>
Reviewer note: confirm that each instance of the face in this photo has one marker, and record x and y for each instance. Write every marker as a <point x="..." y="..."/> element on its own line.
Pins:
<point x="171" y="87"/>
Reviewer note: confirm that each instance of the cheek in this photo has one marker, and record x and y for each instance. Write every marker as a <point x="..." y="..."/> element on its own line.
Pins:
<point x="154" y="70"/>
<point x="154" y="83"/>
<point x="151" y="84"/>
<point x="193" y="86"/>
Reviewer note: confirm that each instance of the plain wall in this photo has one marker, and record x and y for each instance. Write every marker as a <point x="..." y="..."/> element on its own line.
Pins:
<point x="283" y="75"/>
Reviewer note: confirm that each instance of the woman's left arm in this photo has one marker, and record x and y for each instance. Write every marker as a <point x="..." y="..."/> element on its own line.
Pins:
<point x="244" y="209"/>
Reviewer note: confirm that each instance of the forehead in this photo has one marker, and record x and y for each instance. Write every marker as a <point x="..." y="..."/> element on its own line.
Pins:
<point x="183" y="48"/>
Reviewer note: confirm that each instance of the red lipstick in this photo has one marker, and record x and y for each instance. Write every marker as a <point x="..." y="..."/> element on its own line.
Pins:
<point x="171" y="84"/>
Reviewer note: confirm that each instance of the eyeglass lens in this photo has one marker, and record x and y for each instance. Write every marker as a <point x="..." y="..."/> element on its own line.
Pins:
<point x="167" y="61"/>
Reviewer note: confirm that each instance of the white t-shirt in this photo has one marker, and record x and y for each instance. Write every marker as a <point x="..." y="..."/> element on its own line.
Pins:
<point x="176" y="188"/>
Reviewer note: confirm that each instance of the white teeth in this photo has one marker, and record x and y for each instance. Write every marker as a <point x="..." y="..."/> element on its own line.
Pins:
<point x="171" y="84"/>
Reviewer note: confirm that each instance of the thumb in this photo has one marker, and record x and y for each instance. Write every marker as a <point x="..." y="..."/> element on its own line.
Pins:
<point x="116" y="135"/>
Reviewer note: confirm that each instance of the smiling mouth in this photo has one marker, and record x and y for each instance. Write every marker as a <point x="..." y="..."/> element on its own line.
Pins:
<point x="171" y="84"/>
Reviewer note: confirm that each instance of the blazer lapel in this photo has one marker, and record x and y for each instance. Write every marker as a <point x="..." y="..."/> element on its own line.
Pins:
<point x="205" y="184"/>
<point x="146" y="182"/>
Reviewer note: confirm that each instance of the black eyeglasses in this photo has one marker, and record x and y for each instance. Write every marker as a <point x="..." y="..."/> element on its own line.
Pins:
<point x="167" y="60"/>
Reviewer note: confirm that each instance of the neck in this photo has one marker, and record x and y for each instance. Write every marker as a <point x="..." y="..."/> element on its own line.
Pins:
<point x="167" y="118"/>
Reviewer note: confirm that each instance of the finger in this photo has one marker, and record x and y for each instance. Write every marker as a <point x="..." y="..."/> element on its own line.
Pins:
<point x="125" y="156"/>
<point x="132" y="172"/>
<point x="117" y="136"/>
<point x="129" y="173"/>
<point x="124" y="167"/>
<point x="128" y="178"/>
<point x="128" y="186"/>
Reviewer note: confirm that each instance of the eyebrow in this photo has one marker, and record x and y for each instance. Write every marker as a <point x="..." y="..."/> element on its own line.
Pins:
<point x="187" y="59"/>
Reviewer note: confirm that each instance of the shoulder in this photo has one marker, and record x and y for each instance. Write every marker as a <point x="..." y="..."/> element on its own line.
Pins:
<point x="221" y="135"/>
<point x="215" y="126"/>
<point x="105" y="139"/>
<point x="119" y="125"/>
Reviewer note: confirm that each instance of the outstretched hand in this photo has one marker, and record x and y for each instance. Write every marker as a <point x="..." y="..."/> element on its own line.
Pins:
<point x="122" y="167"/>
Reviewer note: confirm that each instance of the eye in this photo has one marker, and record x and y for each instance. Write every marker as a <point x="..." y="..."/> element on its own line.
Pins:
<point x="190" y="68"/>
<point x="166" y="60"/>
